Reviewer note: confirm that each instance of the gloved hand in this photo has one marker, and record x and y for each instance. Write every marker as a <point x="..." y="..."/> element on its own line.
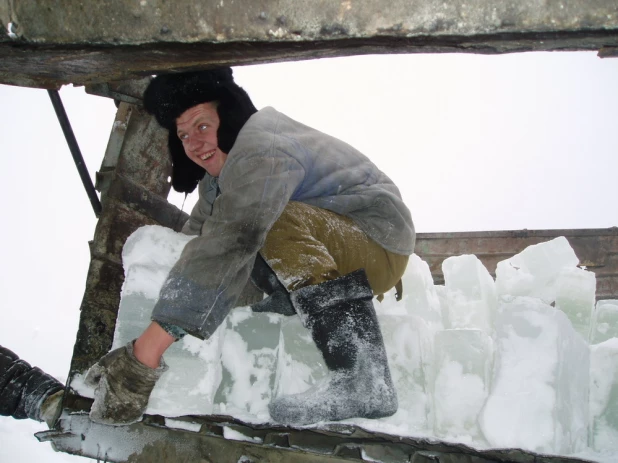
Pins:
<point x="50" y="408"/>
<point x="122" y="387"/>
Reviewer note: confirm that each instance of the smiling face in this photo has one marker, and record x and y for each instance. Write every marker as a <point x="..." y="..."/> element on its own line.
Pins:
<point x="197" y="129"/>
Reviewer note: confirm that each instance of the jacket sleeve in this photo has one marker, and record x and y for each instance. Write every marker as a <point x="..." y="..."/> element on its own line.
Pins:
<point x="214" y="268"/>
<point x="193" y="225"/>
<point x="207" y="191"/>
<point x="23" y="388"/>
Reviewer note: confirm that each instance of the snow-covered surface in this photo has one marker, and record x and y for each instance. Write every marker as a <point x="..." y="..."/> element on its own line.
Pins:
<point x="471" y="362"/>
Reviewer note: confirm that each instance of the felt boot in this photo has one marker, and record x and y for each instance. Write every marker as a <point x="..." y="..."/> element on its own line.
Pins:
<point x="122" y="387"/>
<point x="343" y="323"/>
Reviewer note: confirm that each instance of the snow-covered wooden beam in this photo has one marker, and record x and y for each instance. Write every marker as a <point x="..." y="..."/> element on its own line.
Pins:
<point x="106" y="40"/>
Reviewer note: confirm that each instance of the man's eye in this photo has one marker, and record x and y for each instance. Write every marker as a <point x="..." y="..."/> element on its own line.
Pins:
<point x="183" y="136"/>
<point x="202" y="127"/>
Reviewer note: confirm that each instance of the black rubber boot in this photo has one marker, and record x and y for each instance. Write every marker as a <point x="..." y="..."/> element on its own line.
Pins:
<point x="278" y="300"/>
<point x="340" y="315"/>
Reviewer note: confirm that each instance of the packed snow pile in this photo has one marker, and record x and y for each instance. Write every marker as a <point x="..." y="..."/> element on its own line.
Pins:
<point x="525" y="361"/>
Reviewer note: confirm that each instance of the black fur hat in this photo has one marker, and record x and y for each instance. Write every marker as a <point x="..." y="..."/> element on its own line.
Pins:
<point x="170" y="95"/>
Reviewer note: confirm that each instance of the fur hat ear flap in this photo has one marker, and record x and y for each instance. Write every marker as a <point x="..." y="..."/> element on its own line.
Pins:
<point x="234" y="109"/>
<point x="185" y="173"/>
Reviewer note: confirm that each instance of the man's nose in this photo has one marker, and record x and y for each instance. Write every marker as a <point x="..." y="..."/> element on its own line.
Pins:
<point x="193" y="143"/>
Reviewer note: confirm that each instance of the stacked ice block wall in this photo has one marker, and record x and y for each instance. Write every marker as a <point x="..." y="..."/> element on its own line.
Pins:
<point x="523" y="361"/>
<point x="604" y="376"/>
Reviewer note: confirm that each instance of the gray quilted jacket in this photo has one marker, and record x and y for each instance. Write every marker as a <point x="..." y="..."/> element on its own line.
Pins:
<point x="274" y="160"/>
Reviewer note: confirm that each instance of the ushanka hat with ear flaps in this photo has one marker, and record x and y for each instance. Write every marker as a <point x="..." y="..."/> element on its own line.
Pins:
<point x="170" y="95"/>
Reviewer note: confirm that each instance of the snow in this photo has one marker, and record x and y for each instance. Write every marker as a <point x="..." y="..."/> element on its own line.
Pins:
<point x="185" y="425"/>
<point x="471" y="363"/>
<point x="232" y="434"/>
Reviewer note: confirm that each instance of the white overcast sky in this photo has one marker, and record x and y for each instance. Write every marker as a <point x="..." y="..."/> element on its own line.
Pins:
<point x="473" y="142"/>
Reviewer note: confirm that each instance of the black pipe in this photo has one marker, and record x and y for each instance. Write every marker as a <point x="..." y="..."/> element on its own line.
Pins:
<point x="75" y="152"/>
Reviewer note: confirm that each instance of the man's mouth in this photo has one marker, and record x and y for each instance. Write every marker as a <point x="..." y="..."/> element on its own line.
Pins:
<point x="206" y="156"/>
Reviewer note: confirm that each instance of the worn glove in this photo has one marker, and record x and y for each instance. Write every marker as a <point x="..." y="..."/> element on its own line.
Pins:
<point x="50" y="408"/>
<point x="122" y="387"/>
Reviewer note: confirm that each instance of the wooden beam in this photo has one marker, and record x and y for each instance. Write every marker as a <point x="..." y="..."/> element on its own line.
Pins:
<point x="107" y="40"/>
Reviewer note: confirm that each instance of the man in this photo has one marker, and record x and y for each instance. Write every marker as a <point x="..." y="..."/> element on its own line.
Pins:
<point x="308" y="218"/>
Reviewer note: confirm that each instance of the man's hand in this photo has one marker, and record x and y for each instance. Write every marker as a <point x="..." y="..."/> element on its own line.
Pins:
<point x="122" y="387"/>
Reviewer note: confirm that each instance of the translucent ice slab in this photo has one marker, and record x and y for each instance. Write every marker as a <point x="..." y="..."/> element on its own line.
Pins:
<point x="180" y="388"/>
<point x="575" y="296"/>
<point x="470" y="293"/>
<point x="463" y="363"/>
<point x="539" y="398"/>
<point x="604" y="395"/>
<point x="249" y="359"/>
<point x="407" y="340"/>
<point x="419" y="294"/>
<point x="189" y="386"/>
<point x="300" y="364"/>
<point x="148" y="255"/>
<point x="605" y="321"/>
<point x="534" y="271"/>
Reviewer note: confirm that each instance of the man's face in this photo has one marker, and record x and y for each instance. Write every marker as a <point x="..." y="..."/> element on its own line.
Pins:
<point x="197" y="129"/>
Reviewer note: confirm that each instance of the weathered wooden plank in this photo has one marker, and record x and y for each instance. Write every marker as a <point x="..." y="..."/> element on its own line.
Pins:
<point x="152" y="441"/>
<point x="118" y="22"/>
<point x="134" y="184"/>
<point x="597" y="249"/>
<point x="100" y="41"/>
